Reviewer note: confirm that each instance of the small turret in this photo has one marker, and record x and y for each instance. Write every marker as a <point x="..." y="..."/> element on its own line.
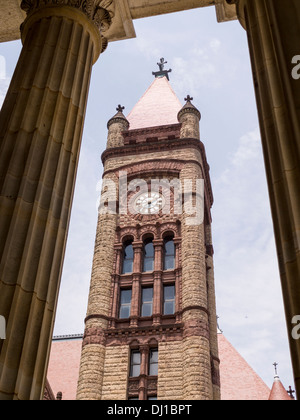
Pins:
<point x="116" y="125"/>
<point x="189" y="117"/>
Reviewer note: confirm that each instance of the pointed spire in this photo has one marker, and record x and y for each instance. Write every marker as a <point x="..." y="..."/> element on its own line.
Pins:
<point x="158" y="106"/>
<point x="116" y="126"/>
<point x="189" y="107"/>
<point x="118" y="117"/>
<point x="278" y="392"/>
<point x="189" y="117"/>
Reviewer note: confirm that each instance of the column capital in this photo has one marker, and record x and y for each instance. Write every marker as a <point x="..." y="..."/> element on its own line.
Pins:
<point x="138" y="245"/>
<point x="99" y="13"/>
<point x="240" y="8"/>
<point x="158" y="242"/>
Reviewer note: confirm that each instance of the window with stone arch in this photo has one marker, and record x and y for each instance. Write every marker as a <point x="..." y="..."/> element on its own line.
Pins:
<point x="169" y="252"/>
<point x="128" y="256"/>
<point x="143" y="370"/>
<point x="148" y="255"/>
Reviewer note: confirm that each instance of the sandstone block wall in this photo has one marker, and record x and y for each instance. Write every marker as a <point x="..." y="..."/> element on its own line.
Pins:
<point x="170" y="370"/>
<point x="115" y="374"/>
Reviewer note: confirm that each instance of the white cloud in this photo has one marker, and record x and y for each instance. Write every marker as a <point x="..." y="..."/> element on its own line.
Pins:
<point x="249" y="299"/>
<point x="197" y="67"/>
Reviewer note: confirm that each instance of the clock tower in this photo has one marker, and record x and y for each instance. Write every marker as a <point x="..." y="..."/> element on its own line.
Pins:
<point x="151" y="327"/>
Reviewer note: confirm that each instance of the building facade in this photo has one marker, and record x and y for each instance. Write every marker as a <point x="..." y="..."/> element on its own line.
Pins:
<point x="34" y="206"/>
<point x="151" y="329"/>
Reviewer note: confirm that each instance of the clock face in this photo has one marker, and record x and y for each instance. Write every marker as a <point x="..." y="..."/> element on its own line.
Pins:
<point x="149" y="203"/>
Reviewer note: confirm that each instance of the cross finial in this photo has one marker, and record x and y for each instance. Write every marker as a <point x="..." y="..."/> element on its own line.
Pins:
<point x="162" y="72"/>
<point x="120" y="108"/>
<point x="161" y="64"/>
<point x="291" y="392"/>
<point x="188" y="98"/>
<point x="275" y="365"/>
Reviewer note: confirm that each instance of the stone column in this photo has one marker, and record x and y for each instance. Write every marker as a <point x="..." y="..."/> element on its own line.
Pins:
<point x="273" y="29"/>
<point x="41" y="124"/>
<point x="116" y="282"/>
<point x="136" y="278"/>
<point x="157" y="282"/>
<point x="177" y="243"/>
<point x="143" y="373"/>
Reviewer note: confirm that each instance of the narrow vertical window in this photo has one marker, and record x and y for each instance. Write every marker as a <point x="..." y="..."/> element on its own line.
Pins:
<point x="153" y="362"/>
<point x="148" y="263"/>
<point x="127" y="258"/>
<point x="135" y="363"/>
<point x="147" y="301"/>
<point x="169" y="300"/>
<point x="125" y="303"/>
<point x="169" y="254"/>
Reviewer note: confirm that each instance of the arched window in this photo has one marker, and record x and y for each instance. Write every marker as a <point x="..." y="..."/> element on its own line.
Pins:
<point x="127" y="258"/>
<point x="148" y="263"/>
<point x="169" y="253"/>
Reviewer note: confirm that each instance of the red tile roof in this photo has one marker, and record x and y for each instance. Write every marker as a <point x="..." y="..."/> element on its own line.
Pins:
<point x="63" y="370"/>
<point x="158" y="106"/>
<point x="238" y="379"/>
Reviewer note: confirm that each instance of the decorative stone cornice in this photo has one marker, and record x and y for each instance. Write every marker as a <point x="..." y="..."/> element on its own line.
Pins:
<point x="99" y="12"/>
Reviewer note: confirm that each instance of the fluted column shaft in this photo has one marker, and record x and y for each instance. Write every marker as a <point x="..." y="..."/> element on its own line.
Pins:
<point x="41" y="125"/>
<point x="273" y="29"/>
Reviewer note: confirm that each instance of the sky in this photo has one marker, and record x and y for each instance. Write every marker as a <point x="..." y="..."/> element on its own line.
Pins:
<point x="209" y="61"/>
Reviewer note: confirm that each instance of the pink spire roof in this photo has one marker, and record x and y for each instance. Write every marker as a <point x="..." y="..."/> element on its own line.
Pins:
<point x="278" y="392"/>
<point x="158" y="106"/>
<point x="238" y="380"/>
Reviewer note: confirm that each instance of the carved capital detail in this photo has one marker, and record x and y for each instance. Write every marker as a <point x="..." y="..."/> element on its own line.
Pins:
<point x="100" y="12"/>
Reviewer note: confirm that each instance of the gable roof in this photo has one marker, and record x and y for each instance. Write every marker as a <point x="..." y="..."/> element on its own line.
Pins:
<point x="158" y="106"/>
